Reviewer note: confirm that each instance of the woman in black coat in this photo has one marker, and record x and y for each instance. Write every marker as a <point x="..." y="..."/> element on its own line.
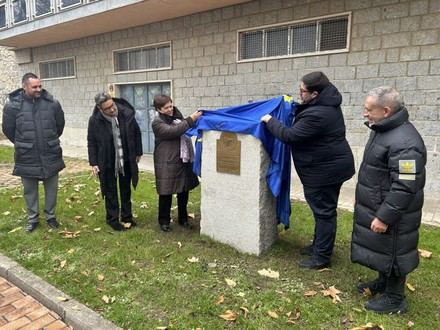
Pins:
<point x="322" y="158"/>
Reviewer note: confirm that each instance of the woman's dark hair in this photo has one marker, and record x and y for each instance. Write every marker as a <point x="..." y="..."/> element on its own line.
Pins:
<point x="315" y="81"/>
<point x="161" y="100"/>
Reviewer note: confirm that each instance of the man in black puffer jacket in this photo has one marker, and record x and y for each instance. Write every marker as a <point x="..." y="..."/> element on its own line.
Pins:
<point x="322" y="158"/>
<point x="389" y="200"/>
<point x="114" y="145"/>
<point x="34" y="121"/>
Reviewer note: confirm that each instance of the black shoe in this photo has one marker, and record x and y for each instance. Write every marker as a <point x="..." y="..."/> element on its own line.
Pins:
<point x="165" y="228"/>
<point x="53" y="223"/>
<point x="384" y="304"/>
<point x="306" y="251"/>
<point x="376" y="286"/>
<point x="312" y="263"/>
<point x="116" y="226"/>
<point x="130" y="221"/>
<point x="186" y="225"/>
<point x="31" y="227"/>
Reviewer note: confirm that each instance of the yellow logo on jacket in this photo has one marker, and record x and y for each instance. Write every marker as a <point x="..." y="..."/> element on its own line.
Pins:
<point x="407" y="166"/>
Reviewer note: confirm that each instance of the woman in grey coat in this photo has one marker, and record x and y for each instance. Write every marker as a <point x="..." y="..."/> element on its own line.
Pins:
<point x="173" y="157"/>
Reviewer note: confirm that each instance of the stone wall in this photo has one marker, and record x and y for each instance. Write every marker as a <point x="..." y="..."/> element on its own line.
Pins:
<point x="8" y="74"/>
<point x="392" y="42"/>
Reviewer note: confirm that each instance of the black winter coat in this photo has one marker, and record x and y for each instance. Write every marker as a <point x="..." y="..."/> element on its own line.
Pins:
<point x="390" y="187"/>
<point x="100" y="143"/>
<point x="320" y="151"/>
<point x="34" y="126"/>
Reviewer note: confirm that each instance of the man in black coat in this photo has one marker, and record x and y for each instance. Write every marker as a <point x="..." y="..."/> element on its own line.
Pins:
<point x="322" y="158"/>
<point x="389" y="200"/>
<point x="33" y="120"/>
<point x="115" y="147"/>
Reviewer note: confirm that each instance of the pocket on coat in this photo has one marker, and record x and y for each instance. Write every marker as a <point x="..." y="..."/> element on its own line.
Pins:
<point x="54" y="145"/>
<point x="23" y="148"/>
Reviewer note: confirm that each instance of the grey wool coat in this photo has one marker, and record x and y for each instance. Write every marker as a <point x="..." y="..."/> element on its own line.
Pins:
<point x="172" y="175"/>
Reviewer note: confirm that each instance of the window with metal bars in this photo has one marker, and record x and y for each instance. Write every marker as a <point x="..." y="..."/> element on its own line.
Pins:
<point x="329" y="34"/>
<point x="56" y="69"/>
<point x="2" y="14"/>
<point x="151" y="57"/>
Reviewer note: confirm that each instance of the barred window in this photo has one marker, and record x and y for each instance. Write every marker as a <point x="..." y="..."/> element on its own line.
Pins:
<point x="143" y="58"/>
<point x="61" y="68"/>
<point x="2" y="14"/>
<point x="329" y="34"/>
<point x="69" y="3"/>
<point x="19" y="10"/>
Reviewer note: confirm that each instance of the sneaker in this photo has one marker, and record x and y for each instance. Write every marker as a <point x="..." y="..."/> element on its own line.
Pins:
<point x="165" y="228"/>
<point x="385" y="304"/>
<point x="313" y="263"/>
<point x="374" y="287"/>
<point x="53" y="223"/>
<point x="31" y="227"/>
<point x="306" y="250"/>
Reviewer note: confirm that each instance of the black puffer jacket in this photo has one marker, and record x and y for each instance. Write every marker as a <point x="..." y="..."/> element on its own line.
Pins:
<point x="34" y="126"/>
<point x="320" y="151"/>
<point x="390" y="187"/>
<point x="100" y="142"/>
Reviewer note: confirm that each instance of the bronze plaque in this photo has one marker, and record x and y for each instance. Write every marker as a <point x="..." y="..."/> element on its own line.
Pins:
<point x="228" y="153"/>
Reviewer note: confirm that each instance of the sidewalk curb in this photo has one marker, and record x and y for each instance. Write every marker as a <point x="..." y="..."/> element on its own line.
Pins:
<point x="71" y="311"/>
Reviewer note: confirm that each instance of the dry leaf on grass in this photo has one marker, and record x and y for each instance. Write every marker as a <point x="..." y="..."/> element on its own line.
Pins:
<point x="228" y="315"/>
<point x="161" y="328"/>
<point x="97" y="229"/>
<point x="107" y="299"/>
<point x="212" y="264"/>
<point x="332" y="292"/>
<point x="69" y="234"/>
<point x="91" y="213"/>
<point x="191" y="215"/>
<point x="193" y="259"/>
<point x="425" y="253"/>
<point x="310" y="293"/>
<point x="14" y="230"/>
<point x="220" y="300"/>
<point x="410" y="324"/>
<point x="410" y="287"/>
<point x="324" y="270"/>
<point x="179" y="245"/>
<point x="272" y="314"/>
<point x="230" y="283"/>
<point x="245" y="310"/>
<point x="14" y="197"/>
<point x="78" y="217"/>
<point x="6" y="213"/>
<point x="101" y="277"/>
<point x="369" y="325"/>
<point x="269" y="273"/>
<point x="60" y="298"/>
<point x="71" y="251"/>
<point x="126" y="225"/>
<point x="144" y="205"/>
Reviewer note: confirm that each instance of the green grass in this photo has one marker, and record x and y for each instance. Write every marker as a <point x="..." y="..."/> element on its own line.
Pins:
<point x="6" y="155"/>
<point x="154" y="285"/>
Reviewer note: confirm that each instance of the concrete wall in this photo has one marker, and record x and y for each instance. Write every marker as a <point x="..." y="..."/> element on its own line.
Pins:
<point x="8" y="74"/>
<point x="392" y="42"/>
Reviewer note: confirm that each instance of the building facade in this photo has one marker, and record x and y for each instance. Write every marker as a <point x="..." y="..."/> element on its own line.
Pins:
<point x="221" y="53"/>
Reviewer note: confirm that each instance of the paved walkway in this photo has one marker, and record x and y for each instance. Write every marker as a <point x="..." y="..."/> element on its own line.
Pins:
<point x="20" y="311"/>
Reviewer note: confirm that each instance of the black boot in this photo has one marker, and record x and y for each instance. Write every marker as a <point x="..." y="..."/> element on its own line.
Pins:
<point x="387" y="304"/>
<point x="376" y="286"/>
<point x="116" y="225"/>
<point x="306" y="250"/>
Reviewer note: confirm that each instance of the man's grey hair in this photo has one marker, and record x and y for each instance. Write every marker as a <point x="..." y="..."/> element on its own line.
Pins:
<point x="387" y="96"/>
<point x="101" y="97"/>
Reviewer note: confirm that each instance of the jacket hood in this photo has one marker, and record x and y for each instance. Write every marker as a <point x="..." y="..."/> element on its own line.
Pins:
<point x="19" y="94"/>
<point x="329" y="96"/>
<point x="394" y="121"/>
<point x="169" y="119"/>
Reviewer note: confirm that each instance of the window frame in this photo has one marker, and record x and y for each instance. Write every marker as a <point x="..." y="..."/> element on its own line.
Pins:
<point x="4" y="4"/>
<point x="58" y="60"/>
<point x="61" y="8"/>
<point x="34" y="9"/>
<point x="155" y="45"/>
<point x="12" y="17"/>
<point x="292" y="23"/>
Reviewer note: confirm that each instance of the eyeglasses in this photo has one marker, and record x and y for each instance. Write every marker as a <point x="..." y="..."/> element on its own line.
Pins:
<point x="302" y="90"/>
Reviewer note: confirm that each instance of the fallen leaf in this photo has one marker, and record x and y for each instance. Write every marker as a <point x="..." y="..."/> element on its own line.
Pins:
<point x="310" y="293"/>
<point x="62" y="298"/>
<point x="220" y="300"/>
<point x="97" y="229"/>
<point x="161" y="328"/>
<point x="193" y="259"/>
<point x="144" y="205"/>
<point x="269" y="273"/>
<point x="63" y="263"/>
<point x="91" y="213"/>
<point x="410" y="287"/>
<point x="228" y="315"/>
<point x="6" y="213"/>
<point x="241" y="294"/>
<point x="272" y="314"/>
<point x="101" y="277"/>
<point x="78" y="217"/>
<point x="369" y="325"/>
<point x="14" y="230"/>
<point x="126" y="225"/>
<point x="212" y="265"/>
<point x="106" y="299"/>
<point x="324" y="270"/>
<point x="85" y="273"/>
<point x="179" y="245"/>
<point x="245" y="310"/>
<point x="410" y="324"/>
<point x="230" y="283"/>
<point x="71" y="251"/>
<point x="191" y="215"/>
<point x="14" y="197"/>
<point x="425" y="253"/>
<point x="332" y="292"/>
<point x="97" y="192"/>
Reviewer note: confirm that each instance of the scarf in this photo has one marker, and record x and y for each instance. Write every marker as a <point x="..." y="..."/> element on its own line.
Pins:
<point x="186" y="150"/>
<point x="117" y="142"/>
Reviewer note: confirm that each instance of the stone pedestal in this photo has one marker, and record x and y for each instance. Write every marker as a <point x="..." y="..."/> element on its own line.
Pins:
<point x="238" y="210"/>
